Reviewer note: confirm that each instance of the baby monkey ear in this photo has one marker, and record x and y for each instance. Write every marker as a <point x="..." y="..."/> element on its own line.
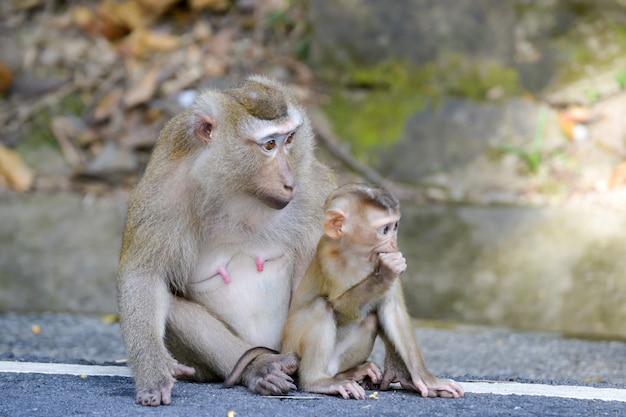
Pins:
<point x="335" y="223"/>
<point x="203" y="126"/>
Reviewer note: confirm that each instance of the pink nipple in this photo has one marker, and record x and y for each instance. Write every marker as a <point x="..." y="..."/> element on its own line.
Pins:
<point x="224" y="273"/>
<point x="260" y="263"/>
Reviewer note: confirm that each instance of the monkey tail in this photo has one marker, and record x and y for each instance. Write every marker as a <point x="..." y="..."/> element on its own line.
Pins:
<point x="247" y="357"/>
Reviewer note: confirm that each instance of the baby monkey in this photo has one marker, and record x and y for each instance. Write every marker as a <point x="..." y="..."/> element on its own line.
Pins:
<point x="349" y="295"/>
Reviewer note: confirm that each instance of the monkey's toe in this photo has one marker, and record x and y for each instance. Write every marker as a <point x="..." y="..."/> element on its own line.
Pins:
<point x="151" y="398"/>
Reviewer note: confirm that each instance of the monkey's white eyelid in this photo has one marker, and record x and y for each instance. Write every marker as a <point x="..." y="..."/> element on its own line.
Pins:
<point x="268" y="144"/>
<point x="290" y="137"/>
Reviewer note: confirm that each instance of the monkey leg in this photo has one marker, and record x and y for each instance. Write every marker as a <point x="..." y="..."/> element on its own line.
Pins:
<point x="197" y="337"/>
<point x="357" y="341"/>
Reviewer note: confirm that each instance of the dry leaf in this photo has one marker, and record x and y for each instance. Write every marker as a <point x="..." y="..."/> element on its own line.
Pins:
<point x="110" y="318"/>
<point x="222" y="42"/>
<point x="618" y="176"/>
<point x="102" y="22"/>
<point x="65" y="130"/>
<point x="211" y="5"/>
<point x="572" y="121"/>
<point x="36" y="328"/>
<point x="157" y="41"/>
<point x="107" y="107"/>
<point x="157" y="7"/>
<point x="131" y="14"/>
<point x="144" y="90"/>
<point x="141" y="42"/>
<point x="6" y="77"/>
<point x="14" y="171"/>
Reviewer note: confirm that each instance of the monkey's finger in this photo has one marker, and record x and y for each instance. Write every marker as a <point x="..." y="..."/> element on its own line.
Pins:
<point x="353" y="389"/>
<point x="289" y="363"/>
<point x="342" y="391"/>
<point x="374" y="374"/>
<point x="444" y="394"/>
<point x="279" y="384"/>
<point x="150" y="397"/>
<point x="357" y="391"/>
<point x="451" y="389"/>
<point x="166" y="396"/>
<point x="422" y="388"/>
<point x="180" y="370"/>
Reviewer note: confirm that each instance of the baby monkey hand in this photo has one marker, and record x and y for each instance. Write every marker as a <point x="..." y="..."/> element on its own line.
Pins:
<point x="390" y="266"/>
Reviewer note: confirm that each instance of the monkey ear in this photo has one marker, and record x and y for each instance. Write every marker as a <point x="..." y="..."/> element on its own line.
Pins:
<point x="335" y="223"/>
<point x="203" y="126"/>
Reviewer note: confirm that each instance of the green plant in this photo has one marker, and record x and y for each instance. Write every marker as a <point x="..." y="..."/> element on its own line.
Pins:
<point x="621" y="79"/>
<point x="534" y="156"/>
<point x="593" y="95"/>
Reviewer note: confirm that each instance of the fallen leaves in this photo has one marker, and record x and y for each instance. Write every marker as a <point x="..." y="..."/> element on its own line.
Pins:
<point x="573" y="121"/>
<point x="618" y="177"/>
<point x="6" y="77"/>
<point x="13" y="170"/>
<point x="102" y="77"/>
<point x="144" y="89"/>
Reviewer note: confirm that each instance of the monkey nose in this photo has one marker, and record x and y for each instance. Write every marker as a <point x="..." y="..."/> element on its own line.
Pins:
<point x="289" y="183"/>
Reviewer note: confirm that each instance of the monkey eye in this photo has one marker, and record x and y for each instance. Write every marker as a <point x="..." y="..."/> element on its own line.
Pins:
<point x="395" y="226"/>
<point x="385" y="229"/>
<point x="269" y="145"/>
<point x="290" y="138"/>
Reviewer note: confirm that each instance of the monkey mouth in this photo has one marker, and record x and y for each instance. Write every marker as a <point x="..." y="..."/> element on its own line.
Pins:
<point x="277" y="203"/>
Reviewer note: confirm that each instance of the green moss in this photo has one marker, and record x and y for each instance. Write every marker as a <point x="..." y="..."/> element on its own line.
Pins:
<point x="370" y="105"/>
<point x="374" y="110"/>
<point x="39" y="131"/>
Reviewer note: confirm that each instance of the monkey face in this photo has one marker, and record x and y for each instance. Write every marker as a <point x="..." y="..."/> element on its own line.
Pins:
<point x="275" y="185"/>
<point x="382" y="231"/>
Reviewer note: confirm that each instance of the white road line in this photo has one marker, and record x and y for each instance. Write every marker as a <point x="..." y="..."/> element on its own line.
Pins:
<point x="498" y="388"/>
<point x="543" y="390"/>
<point x="63" y="369"/>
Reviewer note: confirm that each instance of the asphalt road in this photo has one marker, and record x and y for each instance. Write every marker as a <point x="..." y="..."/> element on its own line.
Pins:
<point x="467" y="353"/>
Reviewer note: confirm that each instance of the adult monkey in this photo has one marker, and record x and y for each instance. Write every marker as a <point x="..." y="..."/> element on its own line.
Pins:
<point x="219" y="231"/>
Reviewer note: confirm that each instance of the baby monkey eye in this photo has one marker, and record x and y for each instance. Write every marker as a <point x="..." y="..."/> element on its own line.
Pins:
<point x="290" y="138"/>
<point x="269" y="145"/>
<point x="384" y="230"/>
<point x="395" y="226"/>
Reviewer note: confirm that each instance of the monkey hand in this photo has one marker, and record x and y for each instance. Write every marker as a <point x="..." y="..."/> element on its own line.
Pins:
<point x="368" y="375"/>
<point x="429" y="386"/>
<point x="269" y="374"/>
<point x="390" y="266"/>
<point x="161" y="392"/>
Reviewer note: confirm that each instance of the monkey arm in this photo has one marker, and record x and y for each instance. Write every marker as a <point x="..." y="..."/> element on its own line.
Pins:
<point x="350" y="303"/>
<point x="404" y="362"/>
<point x="143" y="307"/>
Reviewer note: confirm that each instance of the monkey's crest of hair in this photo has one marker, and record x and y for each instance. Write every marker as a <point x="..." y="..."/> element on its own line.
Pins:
<point x="367" y="193"/>
<point x="260" y="100"/>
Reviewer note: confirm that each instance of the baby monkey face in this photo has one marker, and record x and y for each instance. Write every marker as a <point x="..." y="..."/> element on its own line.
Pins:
<point x="382" y="230"/>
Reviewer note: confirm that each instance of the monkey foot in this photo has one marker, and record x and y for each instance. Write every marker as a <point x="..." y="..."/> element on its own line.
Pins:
<point x="270" y="374"/>
<point x="162" y="394"/>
